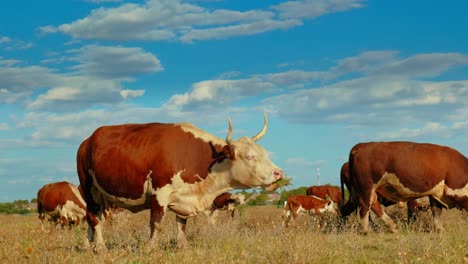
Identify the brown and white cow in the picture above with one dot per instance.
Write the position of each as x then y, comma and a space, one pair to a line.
62, 202
296, 204
403, 171
167, 166
414, 206
326, 192
225, 201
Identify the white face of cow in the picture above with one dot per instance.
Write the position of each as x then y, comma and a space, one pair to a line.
252, 167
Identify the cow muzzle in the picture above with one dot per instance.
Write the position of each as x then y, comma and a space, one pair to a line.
277, 176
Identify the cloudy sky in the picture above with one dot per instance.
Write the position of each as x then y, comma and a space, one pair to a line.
328, 73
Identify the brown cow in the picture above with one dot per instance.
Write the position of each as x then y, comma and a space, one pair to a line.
167, 166
225, 201
402, 171
413, 206
62, 202
326, 192
296, 204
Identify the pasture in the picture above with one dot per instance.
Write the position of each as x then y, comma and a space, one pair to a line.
254, 236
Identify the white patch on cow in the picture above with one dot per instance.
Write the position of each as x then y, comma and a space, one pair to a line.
302, 210
403, 193
231, 207
463, 192
198, 133
188, 199
77, 193
72, 211
330, 207
98, 234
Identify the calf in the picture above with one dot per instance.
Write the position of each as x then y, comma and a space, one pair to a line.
225, 201
296, 204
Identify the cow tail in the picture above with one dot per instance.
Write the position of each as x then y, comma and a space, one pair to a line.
342, 191
40, 210
352, 153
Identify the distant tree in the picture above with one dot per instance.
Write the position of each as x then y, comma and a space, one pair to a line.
15, 207
34, 200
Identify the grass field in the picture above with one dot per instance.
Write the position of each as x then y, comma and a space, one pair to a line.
254, 236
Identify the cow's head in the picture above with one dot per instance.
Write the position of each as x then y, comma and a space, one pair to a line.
250, 165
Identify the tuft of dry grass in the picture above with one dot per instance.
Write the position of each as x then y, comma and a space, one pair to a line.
254, 236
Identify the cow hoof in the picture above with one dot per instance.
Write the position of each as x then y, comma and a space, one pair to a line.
100, 249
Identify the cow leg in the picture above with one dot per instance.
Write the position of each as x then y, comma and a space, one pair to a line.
181, 238
377, 209
95, 230
213, 216
156, 216
286, 217
436, 209
364, 213
412, 210
94, 219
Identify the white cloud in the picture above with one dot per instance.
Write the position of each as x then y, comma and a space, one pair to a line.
373, 100
4, 39
96, 78
430, 128
4, 126
157, 20
218, 93
314, 8
115, 62
302, 162
18, 82
131, 93
103, 1
85, 92
238, 30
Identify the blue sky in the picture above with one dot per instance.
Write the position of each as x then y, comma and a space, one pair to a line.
328, 73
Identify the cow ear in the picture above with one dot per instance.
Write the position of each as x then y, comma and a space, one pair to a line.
228, 150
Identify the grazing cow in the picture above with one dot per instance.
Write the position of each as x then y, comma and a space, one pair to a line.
296, 204
413, 206
326, 192
403, 171
62, 202
225, 201
167, 166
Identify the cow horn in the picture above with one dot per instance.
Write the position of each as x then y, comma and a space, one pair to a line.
229, 135
264, 129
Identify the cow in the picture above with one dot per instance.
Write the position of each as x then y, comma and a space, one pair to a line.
167, 166
404, 171
413, 206
295, 204
225, 201
326, 192
62, 202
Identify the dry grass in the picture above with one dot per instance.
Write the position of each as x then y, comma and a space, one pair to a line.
255, 236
